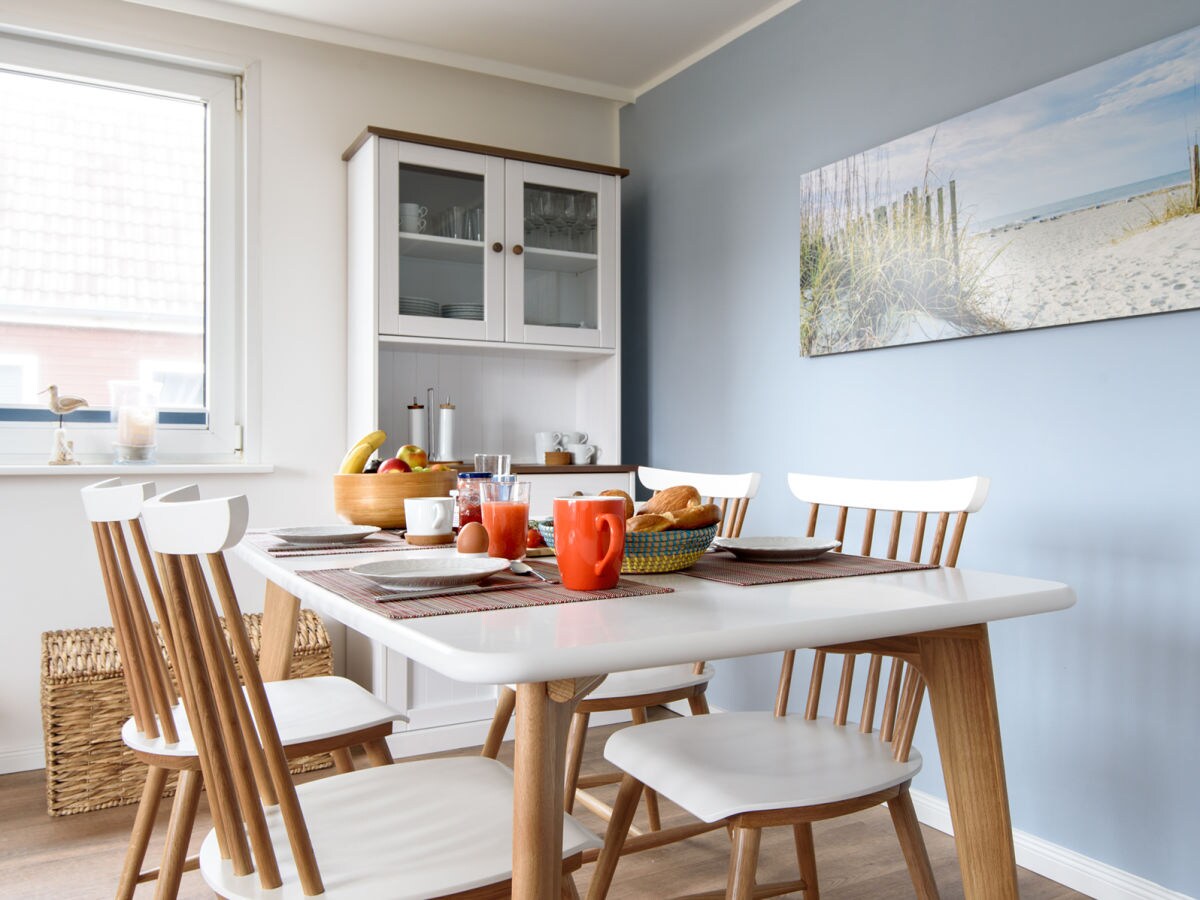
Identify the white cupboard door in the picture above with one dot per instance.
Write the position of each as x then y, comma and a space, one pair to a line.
560, 265
440, 212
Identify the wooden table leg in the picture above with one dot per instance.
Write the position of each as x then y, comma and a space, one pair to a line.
281, 612
543, 717
957, 666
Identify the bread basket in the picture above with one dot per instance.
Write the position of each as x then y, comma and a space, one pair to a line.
649, 552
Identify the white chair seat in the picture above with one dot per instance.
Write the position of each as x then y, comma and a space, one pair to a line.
651, 681
720, 765
412, 830
306, 709
639, 682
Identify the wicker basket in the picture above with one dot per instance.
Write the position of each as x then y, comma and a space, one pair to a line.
84, 705
648, 552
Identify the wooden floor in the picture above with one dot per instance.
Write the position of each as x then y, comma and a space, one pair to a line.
80, 856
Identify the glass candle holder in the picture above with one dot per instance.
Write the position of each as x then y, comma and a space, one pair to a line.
135, 412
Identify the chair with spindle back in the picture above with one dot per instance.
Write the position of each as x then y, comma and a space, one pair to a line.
641, 688
318, 714
432, 828
750, 770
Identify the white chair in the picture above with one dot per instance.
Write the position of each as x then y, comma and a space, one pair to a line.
315, 715
641, 688
434, 828
750, 770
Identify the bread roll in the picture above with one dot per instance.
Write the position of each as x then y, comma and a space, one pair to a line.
677, 497
628, 500
693, 517
648, 522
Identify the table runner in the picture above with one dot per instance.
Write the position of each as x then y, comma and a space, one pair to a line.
503, 591
277, 547
720, 566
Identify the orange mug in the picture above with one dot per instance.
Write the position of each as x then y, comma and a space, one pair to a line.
589, 541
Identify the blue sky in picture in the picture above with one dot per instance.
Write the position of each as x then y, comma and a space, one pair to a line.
1102, 130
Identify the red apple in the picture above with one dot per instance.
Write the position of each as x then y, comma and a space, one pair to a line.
438, 467
393, 465
413, 455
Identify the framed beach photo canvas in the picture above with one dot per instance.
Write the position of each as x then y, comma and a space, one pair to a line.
1075, 201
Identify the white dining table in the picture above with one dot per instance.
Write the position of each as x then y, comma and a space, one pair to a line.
557, 653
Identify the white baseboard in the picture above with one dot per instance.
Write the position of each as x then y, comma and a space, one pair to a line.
23, 759
1074, 870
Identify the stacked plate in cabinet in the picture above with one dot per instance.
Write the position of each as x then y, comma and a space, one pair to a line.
463, 311
419, 306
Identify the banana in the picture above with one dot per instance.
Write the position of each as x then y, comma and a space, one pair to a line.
353, 461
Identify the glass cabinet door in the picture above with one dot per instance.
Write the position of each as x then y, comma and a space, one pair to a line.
439, 209
560, 270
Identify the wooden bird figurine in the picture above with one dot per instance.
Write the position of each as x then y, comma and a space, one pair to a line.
64, 404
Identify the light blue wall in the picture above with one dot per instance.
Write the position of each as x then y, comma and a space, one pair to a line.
1089, 432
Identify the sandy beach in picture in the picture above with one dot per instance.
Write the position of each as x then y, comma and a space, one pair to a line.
1097, 263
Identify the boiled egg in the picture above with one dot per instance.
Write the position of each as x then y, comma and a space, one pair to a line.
472, 538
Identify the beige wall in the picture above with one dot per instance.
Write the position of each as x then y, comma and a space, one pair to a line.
314, 99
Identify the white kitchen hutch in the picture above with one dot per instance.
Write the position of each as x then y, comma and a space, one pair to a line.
491, 276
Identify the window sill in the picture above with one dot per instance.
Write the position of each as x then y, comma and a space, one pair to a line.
136, 470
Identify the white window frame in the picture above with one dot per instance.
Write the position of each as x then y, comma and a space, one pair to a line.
220, 440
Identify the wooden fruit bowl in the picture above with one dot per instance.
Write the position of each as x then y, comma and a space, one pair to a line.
379, 499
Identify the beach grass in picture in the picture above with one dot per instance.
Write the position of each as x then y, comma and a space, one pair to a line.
1075, 201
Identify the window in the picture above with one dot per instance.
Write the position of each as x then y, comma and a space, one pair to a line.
120, 187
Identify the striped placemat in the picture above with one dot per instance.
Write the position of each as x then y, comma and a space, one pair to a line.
720, 566
380, 541
503, 591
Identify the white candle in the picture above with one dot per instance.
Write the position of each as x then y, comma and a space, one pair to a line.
135, 425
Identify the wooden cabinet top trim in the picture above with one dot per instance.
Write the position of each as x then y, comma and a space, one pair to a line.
479, 148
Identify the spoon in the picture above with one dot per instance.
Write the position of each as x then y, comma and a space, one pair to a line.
519, 568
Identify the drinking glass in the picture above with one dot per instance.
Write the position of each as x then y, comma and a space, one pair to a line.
506, 517
494, 463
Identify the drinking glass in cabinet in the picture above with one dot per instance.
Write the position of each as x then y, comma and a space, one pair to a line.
560, 219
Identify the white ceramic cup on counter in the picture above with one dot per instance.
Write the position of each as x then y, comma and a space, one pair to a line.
583, 454
546, 442
573, 437
428, 516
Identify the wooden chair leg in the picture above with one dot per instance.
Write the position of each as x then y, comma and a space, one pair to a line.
614, 838
143, 825
743, 861
179, 834
378, 752
569, 891
342, 760
698, 703
908, 830
506, 702
806, 856
576, 738
639, 718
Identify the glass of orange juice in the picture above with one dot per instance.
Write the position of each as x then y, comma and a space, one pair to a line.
506, 517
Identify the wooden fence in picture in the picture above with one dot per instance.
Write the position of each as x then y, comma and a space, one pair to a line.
1195, 167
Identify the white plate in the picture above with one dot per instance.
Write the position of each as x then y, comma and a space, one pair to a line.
325, 534
421, 574
777, 549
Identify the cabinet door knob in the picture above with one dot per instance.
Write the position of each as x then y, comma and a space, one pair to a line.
497, 247
518, 249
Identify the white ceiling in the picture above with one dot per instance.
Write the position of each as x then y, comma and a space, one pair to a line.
610, 48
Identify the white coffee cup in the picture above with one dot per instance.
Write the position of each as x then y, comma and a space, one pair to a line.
413, 210
544, 442
412, 223
573, 437
428, 516
583, 454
